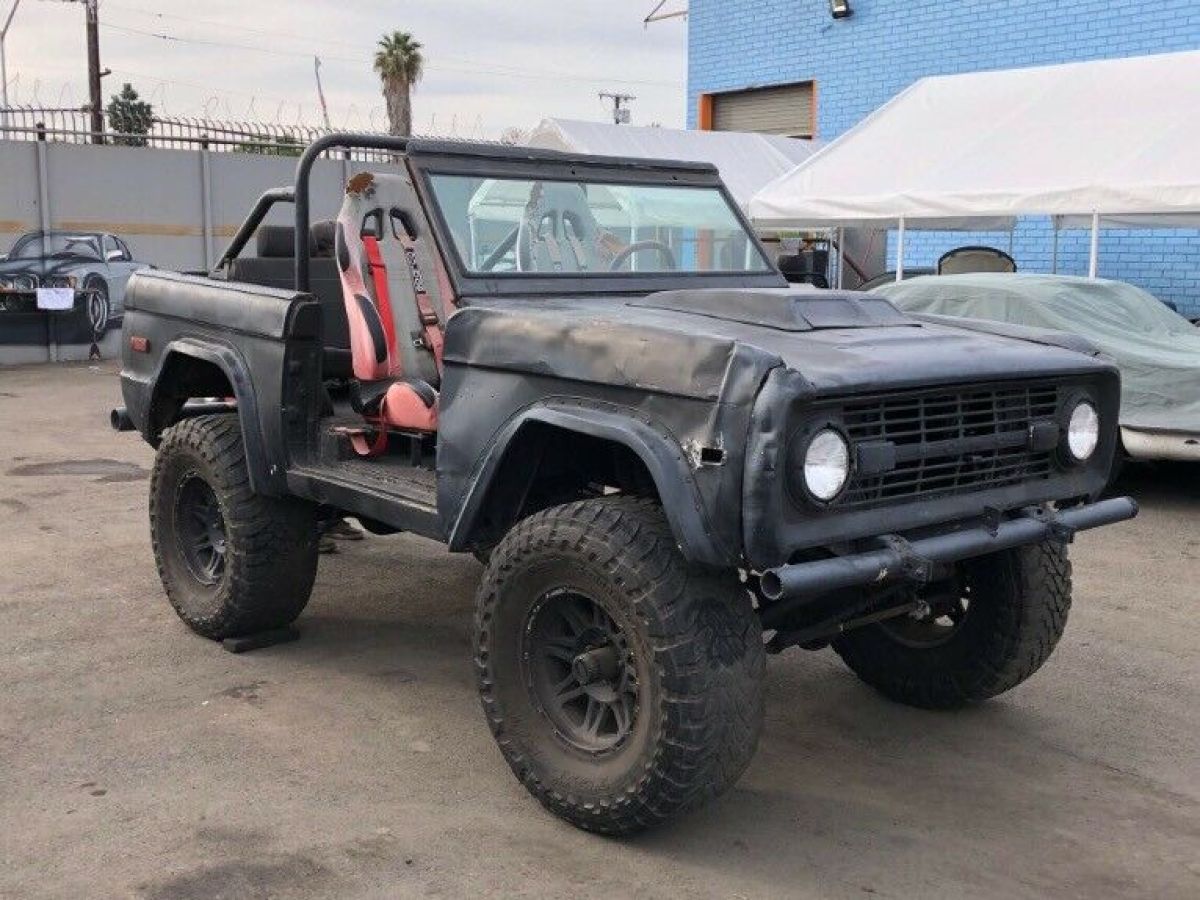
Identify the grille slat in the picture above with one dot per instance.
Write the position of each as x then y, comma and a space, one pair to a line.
921, 423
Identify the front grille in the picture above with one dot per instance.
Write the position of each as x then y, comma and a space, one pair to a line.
950, 441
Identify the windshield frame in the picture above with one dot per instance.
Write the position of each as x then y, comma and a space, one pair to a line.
539, 166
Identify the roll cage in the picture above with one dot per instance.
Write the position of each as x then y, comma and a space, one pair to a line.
430, 157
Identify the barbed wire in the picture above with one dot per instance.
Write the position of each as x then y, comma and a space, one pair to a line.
215, 104
73, 125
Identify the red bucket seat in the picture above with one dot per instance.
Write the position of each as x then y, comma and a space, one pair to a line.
397, 297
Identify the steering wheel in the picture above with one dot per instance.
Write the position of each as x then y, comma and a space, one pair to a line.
667, 254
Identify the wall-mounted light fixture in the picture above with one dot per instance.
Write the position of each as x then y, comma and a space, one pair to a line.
840, 9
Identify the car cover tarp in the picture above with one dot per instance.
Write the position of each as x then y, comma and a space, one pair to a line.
1157, 350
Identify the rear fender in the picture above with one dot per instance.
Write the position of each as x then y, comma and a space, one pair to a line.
164, 405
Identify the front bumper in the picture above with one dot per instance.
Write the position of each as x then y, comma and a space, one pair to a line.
1144, 443
901, 559
25, 302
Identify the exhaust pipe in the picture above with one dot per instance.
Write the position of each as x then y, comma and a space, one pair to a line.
119, 419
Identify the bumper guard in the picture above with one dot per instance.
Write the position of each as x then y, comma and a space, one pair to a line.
901, 559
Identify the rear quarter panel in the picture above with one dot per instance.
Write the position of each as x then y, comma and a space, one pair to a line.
258, 337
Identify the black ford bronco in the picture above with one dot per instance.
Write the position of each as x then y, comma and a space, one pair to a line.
587, 372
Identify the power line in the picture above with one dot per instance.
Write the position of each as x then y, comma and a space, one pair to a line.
497, 70
225, 26
491, 68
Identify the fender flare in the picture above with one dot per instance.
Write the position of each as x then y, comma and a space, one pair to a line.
231, 364
656, 447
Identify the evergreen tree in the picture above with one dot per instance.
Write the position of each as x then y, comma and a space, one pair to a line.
129, 114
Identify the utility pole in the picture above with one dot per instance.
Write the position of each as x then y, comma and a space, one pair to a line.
4, 63
94, 73
321, 92
620, 113
95, 101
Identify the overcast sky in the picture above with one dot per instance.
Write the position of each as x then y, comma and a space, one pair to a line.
490, 64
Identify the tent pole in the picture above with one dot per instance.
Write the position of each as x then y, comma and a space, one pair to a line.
900, 250
841, 255
1054, 246
1094, 260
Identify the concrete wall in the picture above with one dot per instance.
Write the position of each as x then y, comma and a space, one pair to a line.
176, 209
155, 199
860, 63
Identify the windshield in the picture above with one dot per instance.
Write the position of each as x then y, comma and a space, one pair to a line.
61, 245
511, 225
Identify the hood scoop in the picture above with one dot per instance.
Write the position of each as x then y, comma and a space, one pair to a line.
782, 309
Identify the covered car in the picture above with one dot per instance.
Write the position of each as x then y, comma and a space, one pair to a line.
1156, 349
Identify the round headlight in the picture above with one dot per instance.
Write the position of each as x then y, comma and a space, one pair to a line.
1083, 431
826, 465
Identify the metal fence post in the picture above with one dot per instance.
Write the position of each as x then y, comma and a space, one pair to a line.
43, 189
1094, 254
206, 202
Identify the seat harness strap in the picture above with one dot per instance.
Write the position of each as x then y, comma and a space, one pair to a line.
383, 300
369, 448
430, 324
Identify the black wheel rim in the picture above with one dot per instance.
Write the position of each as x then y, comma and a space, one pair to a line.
200, 529
580, 671
945, 611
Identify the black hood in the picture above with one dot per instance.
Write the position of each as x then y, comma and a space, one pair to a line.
702, 343
781, 309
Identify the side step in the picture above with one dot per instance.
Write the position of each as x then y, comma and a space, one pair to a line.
386, 489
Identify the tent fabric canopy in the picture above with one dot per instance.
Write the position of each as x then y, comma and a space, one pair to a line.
746, 161
1113, 137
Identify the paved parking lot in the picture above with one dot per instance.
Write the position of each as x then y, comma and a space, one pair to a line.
139, 760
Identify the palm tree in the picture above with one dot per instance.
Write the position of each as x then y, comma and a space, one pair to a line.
399, 64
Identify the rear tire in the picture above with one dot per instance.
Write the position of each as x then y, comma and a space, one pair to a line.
231, 561
1018, 601
675, 719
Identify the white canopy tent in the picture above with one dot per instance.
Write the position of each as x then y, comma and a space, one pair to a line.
747, 161
1108, 142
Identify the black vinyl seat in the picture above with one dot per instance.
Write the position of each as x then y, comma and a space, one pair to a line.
274, 266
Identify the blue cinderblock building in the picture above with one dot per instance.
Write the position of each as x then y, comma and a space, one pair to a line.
789, 67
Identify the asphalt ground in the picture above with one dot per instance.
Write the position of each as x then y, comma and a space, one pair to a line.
137, 760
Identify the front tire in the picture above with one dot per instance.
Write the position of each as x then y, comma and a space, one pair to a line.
622, 685
98, 306
1006, 615
231, 561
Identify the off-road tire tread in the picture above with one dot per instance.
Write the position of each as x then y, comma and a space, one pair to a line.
710, 713
1032, 615
272, 542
